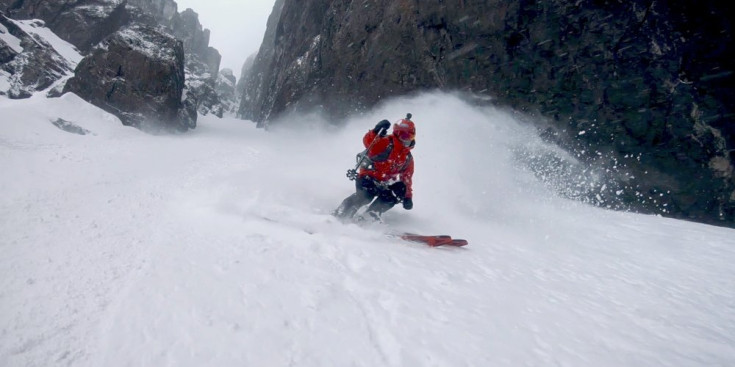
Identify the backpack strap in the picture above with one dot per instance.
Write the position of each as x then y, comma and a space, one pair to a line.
409, 158
382, 156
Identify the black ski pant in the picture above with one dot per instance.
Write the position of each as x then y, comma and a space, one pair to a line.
367, 190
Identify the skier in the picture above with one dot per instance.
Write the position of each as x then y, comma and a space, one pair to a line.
385, 171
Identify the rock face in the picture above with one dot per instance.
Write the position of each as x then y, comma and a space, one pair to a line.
86, 23
136, 74
259, 78
641, 88
226, 85
27, 63
245, 71
81, 23
202, 62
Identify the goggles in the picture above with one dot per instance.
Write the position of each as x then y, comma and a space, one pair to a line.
405, 137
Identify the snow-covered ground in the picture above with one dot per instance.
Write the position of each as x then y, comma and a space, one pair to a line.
216, 248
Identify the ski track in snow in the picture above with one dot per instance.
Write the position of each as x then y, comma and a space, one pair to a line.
215, 248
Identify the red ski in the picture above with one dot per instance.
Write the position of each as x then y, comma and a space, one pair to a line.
434, 241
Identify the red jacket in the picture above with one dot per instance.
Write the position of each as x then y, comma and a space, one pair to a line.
392, 161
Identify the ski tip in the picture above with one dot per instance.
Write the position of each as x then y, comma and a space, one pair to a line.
420, 237
434, 240
458, 242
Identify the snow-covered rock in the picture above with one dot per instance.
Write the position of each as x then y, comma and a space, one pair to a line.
136, 74
81, 23
32, 58
202, 62
85, 24
225, 87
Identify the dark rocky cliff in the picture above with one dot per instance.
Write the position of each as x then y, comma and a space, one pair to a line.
641, 88
259, 76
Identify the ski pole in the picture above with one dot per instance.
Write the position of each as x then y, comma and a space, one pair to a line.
352, 173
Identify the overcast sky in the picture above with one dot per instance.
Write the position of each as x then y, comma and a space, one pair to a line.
237, 26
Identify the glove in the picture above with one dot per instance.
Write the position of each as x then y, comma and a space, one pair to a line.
382, 127
407, 204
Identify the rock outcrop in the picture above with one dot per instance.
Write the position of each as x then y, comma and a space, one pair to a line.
202, 62
641, 88
86, 23
81, 23
226, 86
136, 74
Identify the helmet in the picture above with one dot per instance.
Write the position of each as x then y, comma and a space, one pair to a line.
405, 131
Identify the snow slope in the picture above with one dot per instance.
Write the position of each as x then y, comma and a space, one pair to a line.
64, 49
215, 248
